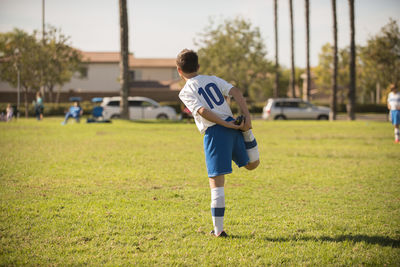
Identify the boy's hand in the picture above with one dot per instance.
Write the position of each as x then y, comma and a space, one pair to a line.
247, 124
233, 125
244, 123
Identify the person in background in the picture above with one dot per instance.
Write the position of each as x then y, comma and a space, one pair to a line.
75, 112
9, 113
39, 106
393, 103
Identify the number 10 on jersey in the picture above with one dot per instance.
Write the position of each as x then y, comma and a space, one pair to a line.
209, 97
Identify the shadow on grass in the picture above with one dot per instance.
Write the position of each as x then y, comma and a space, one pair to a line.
374, 240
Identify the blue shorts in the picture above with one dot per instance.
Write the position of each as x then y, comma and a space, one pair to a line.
395, 117
221, 146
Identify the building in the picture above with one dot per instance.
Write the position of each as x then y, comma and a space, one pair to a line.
150, 77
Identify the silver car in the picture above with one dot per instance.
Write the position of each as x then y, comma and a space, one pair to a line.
293, 109
140, 108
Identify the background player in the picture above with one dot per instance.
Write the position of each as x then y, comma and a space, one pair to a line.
393, 102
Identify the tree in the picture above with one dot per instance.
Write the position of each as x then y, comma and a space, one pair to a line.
293, 69
124, 59
60, 61
276, 86
352, 88
308, 73
335, 64
381, 59
40, 64
235, 51
324, 71
20, 53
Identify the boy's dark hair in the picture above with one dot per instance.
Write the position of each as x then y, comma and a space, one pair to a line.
188, 61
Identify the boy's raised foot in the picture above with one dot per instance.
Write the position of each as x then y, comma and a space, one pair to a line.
222, 234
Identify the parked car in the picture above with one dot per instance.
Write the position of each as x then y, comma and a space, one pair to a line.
140, 108
293, 109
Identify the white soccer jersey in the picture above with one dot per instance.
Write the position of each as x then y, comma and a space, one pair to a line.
394, 100
208, 92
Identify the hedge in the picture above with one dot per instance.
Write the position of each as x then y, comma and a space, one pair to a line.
360, 108
52, 109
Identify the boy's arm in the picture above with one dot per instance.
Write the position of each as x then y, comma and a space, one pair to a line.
237, 95
210, 116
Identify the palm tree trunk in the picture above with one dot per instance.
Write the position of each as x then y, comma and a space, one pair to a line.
293, 72
51, 93
26, 101
124, 57
352, 88
307, 8
335, 64
276, 87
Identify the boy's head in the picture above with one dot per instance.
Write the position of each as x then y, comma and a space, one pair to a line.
187, 61
393, 87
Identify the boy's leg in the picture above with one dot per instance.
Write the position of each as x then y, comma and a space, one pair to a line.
77, 119
395, 114
67, 116
217, 202
251, 149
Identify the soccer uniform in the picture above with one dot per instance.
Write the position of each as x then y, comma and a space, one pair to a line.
221, 144
394, 102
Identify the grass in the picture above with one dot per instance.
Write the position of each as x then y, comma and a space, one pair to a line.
133, 193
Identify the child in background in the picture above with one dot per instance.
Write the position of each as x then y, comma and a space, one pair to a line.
9, 113
75, 112
393, 102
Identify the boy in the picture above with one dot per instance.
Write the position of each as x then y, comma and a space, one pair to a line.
75, 112
393, 102
224, 140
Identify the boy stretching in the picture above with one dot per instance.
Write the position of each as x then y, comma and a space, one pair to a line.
224, 140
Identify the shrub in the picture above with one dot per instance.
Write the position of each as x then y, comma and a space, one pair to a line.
51, 109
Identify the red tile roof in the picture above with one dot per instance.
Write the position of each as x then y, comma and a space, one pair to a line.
152, 62
102, 57
113, 57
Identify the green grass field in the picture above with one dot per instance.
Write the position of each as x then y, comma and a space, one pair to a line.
131, 193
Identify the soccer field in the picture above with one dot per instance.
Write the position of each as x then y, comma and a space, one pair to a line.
136, 193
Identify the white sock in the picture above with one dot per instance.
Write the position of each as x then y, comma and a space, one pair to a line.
396, 133
251, 146
218, 208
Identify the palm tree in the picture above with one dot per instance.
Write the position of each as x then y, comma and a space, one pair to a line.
335, 64
352, 88
293, 72
124, 59
307, 96
276, 87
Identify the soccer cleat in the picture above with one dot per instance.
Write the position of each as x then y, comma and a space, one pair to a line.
239, 119
397, 141
222, 234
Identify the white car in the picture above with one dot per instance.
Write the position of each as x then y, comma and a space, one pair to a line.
140, 108
293, 109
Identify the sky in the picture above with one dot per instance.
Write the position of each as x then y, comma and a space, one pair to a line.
162, 28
